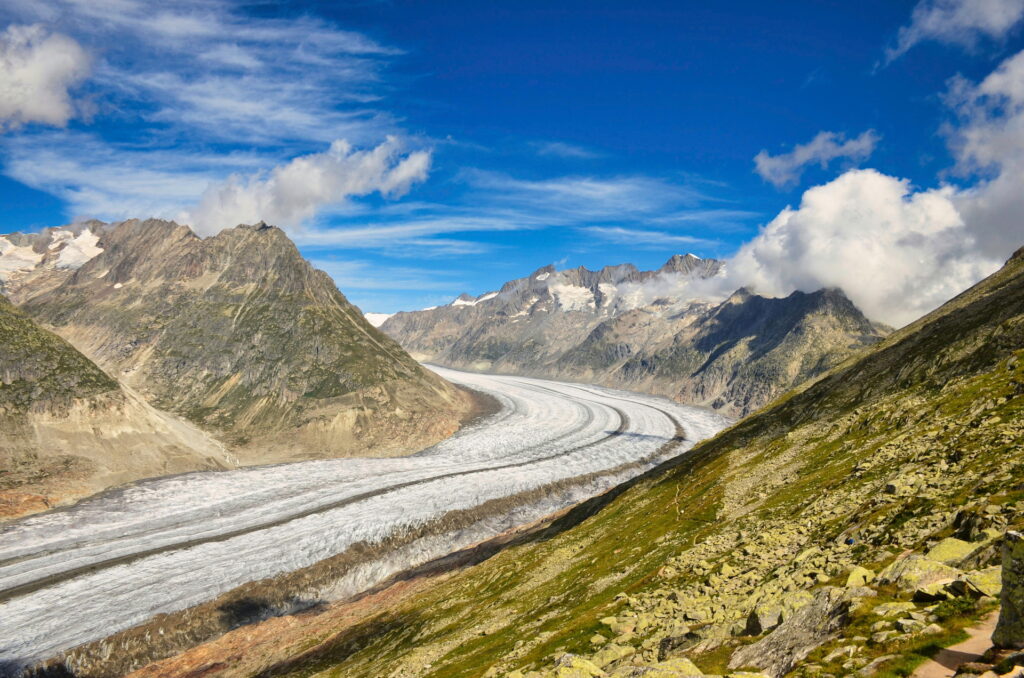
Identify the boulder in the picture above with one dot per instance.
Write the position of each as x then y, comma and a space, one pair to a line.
950, 551
894, 609
1009, 631
808, 627
859, 576
610, 654
771, 611
988, 582
914, 572
574, 666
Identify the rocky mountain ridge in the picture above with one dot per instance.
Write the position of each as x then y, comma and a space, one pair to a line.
655, 331
240, 335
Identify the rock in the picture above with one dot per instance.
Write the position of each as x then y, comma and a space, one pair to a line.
611, 654
807, 628
870, 668
950, 551
769, 613
598, 639
934, 592
1009, 631
574, 666
682, 665
914, 572
859, 576
893, 609
932, 629
882, 636
909, 625
988, 582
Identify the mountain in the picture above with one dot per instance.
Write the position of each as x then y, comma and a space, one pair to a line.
241, 336
849, 528
643, 330
32, 263
67, 429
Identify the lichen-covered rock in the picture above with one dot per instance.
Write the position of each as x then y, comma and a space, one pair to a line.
771, 611
810, 626
914, 572
1009, 631
859, 576
951, 551
988, 582
612, 653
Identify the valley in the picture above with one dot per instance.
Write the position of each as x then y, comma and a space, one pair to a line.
162, 546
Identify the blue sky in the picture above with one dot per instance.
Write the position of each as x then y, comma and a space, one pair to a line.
475, 142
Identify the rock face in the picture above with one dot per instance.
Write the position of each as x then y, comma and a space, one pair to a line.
241, 336
643, 330
1009, 631
67, 429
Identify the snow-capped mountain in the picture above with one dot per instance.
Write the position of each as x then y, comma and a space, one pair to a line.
664, 331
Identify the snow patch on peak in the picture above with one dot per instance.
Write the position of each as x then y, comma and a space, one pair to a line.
542, 276
15, 259
77, 249
573, 297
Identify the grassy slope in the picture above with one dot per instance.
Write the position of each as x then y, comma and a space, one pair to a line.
937, 406
38, 369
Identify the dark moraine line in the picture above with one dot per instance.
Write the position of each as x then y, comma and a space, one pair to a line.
35, 585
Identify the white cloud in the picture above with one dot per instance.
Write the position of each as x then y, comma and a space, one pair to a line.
960, 22
988, 141
562, 149
293, 193
642, 237
37, 68
896, 253
785, 169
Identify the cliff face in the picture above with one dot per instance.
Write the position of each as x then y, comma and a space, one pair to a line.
643, 330
67, 429
241, 336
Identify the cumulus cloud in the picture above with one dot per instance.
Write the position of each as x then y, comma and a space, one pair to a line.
960, 22
988, 142
36, 70
291, 194
896, 252
785, 169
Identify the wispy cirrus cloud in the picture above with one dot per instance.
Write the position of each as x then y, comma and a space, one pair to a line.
959, 22
646, 238
561, 149
784, 170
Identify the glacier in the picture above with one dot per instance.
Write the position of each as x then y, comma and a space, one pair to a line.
76, 575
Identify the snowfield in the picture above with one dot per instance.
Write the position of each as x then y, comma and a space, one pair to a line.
109, 563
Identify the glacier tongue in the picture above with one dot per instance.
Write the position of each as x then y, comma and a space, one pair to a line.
164, 545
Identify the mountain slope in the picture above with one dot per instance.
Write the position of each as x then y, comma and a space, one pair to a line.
643, 330
67, 429
238, 333
912, 441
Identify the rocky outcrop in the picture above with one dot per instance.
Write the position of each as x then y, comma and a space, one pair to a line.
1009, 631
643, 330
241, 336
67, 429
808, 628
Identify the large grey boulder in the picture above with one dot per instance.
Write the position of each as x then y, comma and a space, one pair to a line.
808, 627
